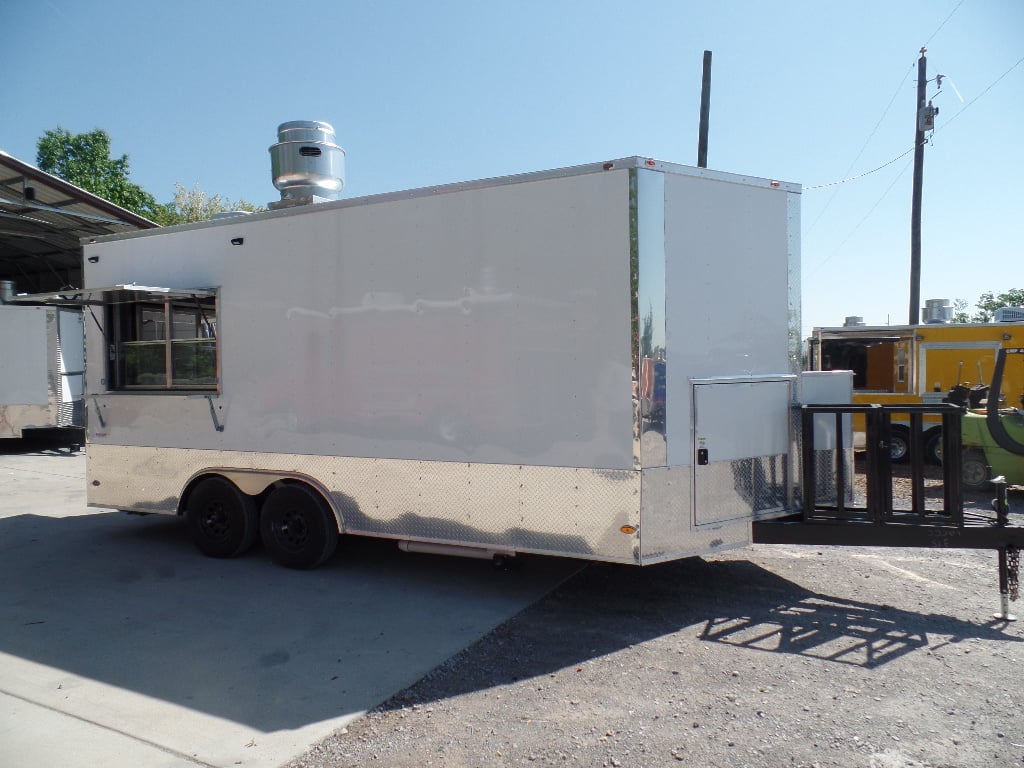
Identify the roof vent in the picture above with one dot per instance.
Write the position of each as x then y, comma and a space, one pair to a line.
308, 167
938, 311
1008, 315
852, 320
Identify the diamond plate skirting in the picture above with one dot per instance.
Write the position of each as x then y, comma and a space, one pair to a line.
551, 510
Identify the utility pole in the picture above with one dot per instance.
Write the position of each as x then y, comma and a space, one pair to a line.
705, 112
925, 122
924, 119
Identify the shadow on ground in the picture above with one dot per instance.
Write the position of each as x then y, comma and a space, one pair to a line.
607, 608
45, 442
128, 602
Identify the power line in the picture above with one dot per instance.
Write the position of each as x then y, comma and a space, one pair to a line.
868, 214
990, 87
875, 130
862, 175
944, 125
943, 23
863, 147
900, 174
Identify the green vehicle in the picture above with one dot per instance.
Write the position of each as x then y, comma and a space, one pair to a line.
993, 440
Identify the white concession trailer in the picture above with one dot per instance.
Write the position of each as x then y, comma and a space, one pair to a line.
41, 369
458, 368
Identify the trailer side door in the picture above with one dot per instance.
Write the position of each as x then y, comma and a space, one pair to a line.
740, 448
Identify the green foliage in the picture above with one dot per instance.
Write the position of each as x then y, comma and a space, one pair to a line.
84, 160
647, 334
196, 205
960, 311
987, 305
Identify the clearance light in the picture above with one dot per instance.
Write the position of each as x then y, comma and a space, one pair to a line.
651, 163
629, 529
608, 166
775, 184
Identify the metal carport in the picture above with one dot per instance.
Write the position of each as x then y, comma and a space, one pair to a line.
42, 222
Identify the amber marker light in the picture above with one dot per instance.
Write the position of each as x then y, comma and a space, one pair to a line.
630, 529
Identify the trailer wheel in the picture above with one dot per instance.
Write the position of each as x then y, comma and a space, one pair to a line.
899, 444
297, 527
933, 447
224, 522
974, 470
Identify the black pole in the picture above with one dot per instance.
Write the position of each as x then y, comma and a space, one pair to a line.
915, 213
705, 113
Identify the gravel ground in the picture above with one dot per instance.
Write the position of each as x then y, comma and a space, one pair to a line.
763, 656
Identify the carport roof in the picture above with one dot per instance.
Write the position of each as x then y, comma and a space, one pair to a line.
42, 221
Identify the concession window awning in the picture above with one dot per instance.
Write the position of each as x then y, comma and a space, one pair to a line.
114, 294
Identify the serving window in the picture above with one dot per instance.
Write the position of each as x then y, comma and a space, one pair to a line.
163, 344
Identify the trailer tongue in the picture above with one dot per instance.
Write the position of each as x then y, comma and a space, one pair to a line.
843, 518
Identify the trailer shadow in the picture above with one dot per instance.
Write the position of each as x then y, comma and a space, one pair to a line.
843, 631
45, 442
127, 602
605, 609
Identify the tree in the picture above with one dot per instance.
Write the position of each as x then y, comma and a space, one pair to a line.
196, 205
987, 305
647, 334
84, 160
960, 311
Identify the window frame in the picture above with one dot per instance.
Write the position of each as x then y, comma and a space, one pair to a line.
125, 329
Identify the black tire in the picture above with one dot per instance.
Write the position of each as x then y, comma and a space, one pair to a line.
223, 521
899, 444
974, 470
933, 447
297, 526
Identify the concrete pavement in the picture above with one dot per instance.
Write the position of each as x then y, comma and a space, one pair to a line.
122, 646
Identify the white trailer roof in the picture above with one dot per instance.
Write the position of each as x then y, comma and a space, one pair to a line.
575, 170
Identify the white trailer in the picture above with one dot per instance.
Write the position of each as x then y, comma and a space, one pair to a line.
42, 369
458, 368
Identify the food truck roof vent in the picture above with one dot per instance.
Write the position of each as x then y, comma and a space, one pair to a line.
938, 311
1008, 315
307, 166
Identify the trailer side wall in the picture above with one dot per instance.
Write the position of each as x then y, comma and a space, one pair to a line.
729, 267
489, 325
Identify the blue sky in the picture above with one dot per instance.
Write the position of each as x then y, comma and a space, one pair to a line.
430, 93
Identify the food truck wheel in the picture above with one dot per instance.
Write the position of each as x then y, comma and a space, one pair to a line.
974, 472
933, 446
224, 522
298, 527
899, 444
